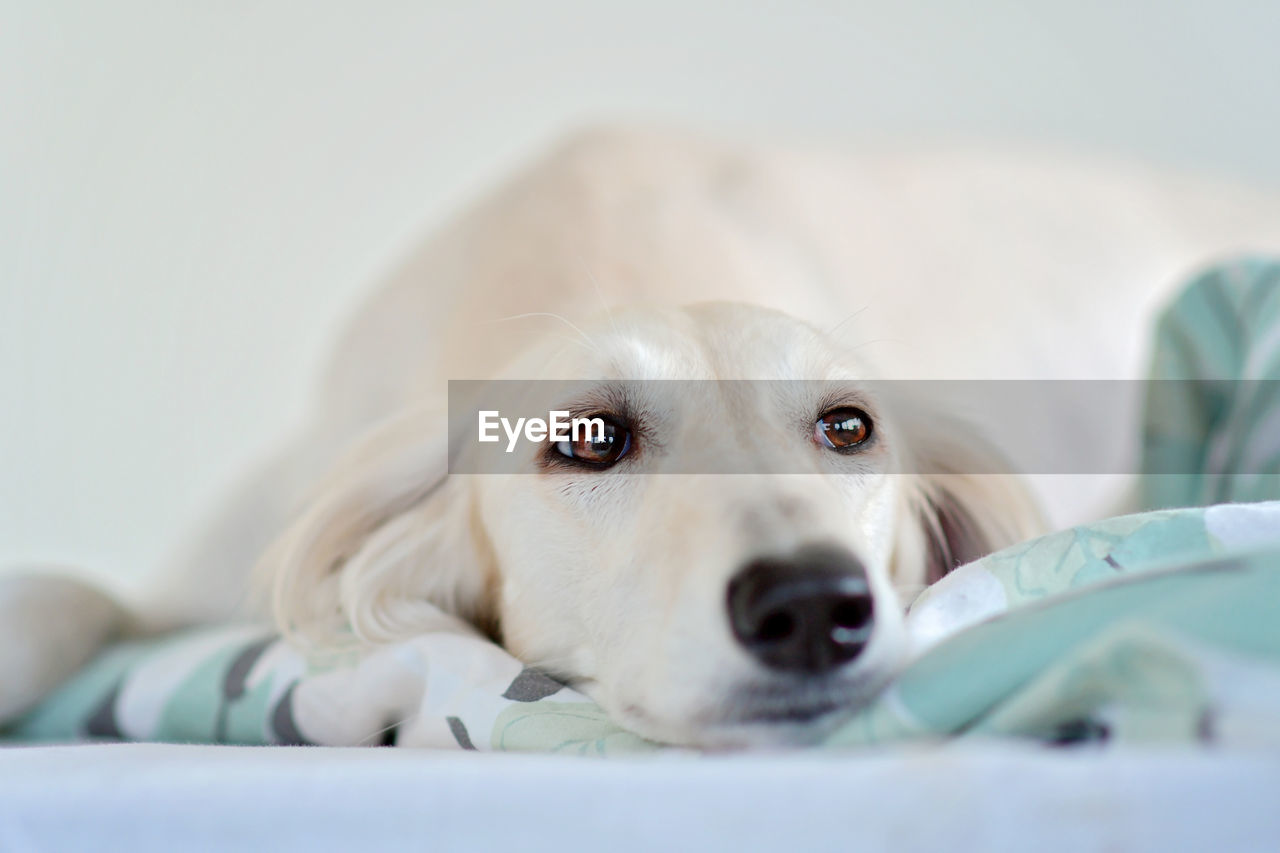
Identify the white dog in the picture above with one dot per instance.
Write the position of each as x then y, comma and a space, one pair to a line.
696, 607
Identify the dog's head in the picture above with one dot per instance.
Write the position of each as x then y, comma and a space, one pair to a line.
726, 564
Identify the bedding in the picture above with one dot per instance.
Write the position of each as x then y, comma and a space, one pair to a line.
1160, 626
1154, 627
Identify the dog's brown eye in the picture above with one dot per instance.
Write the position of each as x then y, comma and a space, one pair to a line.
842, 429
598, 448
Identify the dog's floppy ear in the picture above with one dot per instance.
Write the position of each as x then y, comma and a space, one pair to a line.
962, 500
966, 516
386, 540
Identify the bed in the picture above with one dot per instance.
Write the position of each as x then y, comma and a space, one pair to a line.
1147, 720
151, 797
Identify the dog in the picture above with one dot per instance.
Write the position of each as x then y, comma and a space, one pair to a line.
727, 564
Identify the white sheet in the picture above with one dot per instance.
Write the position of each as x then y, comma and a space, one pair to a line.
144, 797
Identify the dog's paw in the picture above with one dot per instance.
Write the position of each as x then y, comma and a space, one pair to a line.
50, 626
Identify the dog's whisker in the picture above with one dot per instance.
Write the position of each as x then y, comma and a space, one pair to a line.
595, 283
857, 347
378, 733
551, 315
564, 338
834, 330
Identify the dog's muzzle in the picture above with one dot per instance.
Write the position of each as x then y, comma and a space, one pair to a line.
807, 614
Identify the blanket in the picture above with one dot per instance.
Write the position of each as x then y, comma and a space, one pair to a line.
1160, 626
1155, 627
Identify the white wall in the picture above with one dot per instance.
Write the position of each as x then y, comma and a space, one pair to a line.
191, 194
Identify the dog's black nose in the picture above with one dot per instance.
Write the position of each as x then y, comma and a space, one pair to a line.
809, 613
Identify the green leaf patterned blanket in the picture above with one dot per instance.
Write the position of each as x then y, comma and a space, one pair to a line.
1161, 626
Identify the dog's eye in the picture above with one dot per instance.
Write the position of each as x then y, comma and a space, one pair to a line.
598, 449
842, 429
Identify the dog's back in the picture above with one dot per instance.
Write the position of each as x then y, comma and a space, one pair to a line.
941, 265
936, 264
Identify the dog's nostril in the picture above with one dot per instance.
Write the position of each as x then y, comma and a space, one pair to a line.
810, 613
852, 613
776, 626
